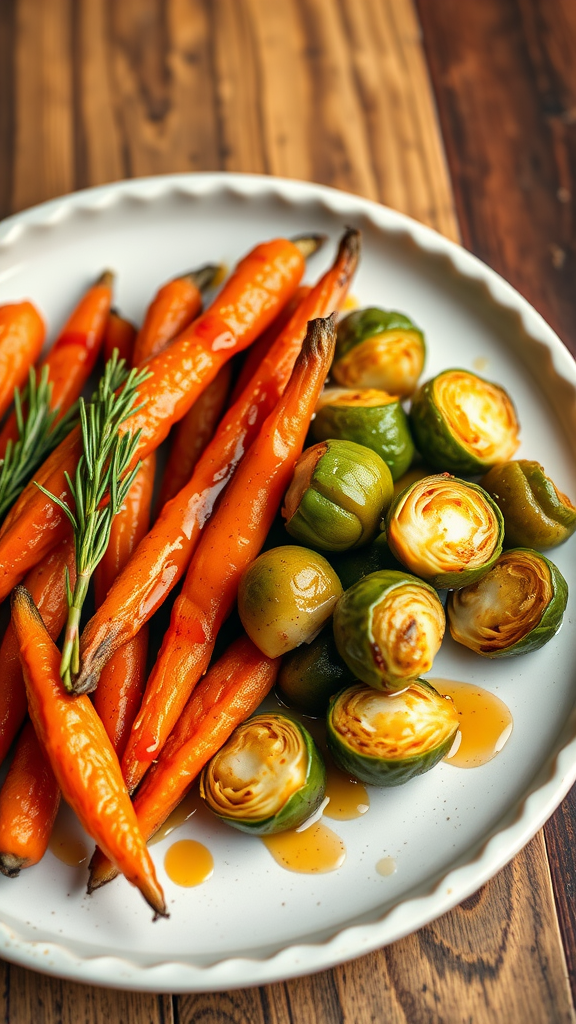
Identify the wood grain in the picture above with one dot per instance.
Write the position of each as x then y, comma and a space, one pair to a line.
336, 91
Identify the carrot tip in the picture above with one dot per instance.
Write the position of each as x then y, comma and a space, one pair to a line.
309, 244
204, 277
106, 279
11, 865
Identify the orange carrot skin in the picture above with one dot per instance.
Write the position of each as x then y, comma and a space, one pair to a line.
174, 306
164, 554
80, 754
29, 801
22, 333
231, 540
262, 345
261, 284
119, 692
229, 693
193, 433
46, 583
119, 334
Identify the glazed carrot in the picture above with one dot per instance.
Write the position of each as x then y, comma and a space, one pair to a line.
192, 435
81, 755
119, 693
22, 333
47, 584
230, 691
73, 355
120, 334
262, 345
174, 306
29, 800
229, 543
163, 556
261, 284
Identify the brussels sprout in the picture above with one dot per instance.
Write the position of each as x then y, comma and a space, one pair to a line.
462, 423
536, 514
376, 348
388, 628
311, 674
446, 530
267, 778
372, 418
285, 597
387, 740
338, 495
515, 608
351, 566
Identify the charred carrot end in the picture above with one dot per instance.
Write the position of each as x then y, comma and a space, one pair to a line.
119, 334
205, 277
230, 691
173, 307
309, 244
80, 754
29, 801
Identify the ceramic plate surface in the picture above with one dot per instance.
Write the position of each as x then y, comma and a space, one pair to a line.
448, 831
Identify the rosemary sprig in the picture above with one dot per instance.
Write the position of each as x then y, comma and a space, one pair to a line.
99, 489
38, 435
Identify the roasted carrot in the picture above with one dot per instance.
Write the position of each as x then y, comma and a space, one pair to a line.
22, 334
192, 434
163, 556
120, 334
73, 355
119, 692
81, 755
230, 691
174, 306
262, 345
229, 543
47, 584
29, 800
261, 284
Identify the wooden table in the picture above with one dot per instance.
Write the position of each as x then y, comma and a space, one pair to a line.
462, 114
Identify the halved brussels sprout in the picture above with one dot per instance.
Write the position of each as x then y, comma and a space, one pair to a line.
371, 418
377, 348
338, 495
446, 530
536, 514
515, 608
462, 423
285, 597
388, 628
267, 778
387, 740
311, 674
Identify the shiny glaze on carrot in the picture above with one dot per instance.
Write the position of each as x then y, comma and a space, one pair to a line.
261, 284
121, 334
121, 684
231, 540
230, 691
22, 332
174, 306
192, 434
46, 583
29, 801
163, 556
81, 755
73, 355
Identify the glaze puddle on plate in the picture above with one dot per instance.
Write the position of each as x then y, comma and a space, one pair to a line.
386, 866
65, 842
348, 798
315, 851
185, 809
188, 863
486, 723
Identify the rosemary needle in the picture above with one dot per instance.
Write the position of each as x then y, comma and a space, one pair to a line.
38, 435
99, 489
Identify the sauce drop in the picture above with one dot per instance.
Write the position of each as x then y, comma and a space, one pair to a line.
317, 850
64, 844
386, 866
188, 863
186, 808
348, 797
480, 363
485, 723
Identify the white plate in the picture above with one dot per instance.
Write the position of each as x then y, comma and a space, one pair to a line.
448, 831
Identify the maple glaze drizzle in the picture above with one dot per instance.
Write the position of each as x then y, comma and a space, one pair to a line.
486, 723
188, 863
316, 850
65, 844
348, 797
